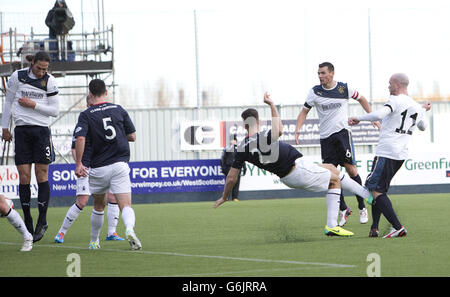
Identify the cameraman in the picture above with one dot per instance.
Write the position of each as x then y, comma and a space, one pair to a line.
51, 14
59, 21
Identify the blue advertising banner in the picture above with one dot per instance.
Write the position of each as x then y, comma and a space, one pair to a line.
176, 176
151, 177
62, 179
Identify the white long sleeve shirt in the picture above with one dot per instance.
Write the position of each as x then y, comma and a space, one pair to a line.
43, 91
400, 115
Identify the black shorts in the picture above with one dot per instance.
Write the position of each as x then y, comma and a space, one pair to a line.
383, 170
337, 149
33, 144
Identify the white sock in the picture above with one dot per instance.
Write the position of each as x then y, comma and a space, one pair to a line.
16, 220
128, 217
350, 185
333, 201
113, 217
71, 216
96, 224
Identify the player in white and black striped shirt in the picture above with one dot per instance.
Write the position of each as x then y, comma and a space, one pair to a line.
34, 95
331, 99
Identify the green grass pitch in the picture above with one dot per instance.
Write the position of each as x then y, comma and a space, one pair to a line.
253, 238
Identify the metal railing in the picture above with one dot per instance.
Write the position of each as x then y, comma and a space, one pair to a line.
95, 46
16, 46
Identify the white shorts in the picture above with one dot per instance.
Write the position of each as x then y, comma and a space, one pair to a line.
83, 186
308, 176
115, 177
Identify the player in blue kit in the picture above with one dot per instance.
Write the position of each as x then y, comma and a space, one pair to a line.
108, 128
263, 149
82, 199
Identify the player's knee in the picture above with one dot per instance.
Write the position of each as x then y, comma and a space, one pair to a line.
335, 181
41, 174
99, 201
111, 198
99, 207
4, 207
331, 167
82, 201
2, 202
24, 176
123, 200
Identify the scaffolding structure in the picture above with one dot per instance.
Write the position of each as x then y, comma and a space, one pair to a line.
85, 55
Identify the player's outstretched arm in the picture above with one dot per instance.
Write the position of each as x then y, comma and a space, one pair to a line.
366, 106
353, 121
229, 184
371, 117
277, 126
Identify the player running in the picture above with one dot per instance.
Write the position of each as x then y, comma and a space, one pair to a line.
400, 115
108, 128
264, 150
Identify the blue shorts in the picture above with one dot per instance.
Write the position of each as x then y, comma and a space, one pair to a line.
337, 149
33, 144
383, 170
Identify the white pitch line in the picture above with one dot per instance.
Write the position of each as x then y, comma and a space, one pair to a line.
243, 271
196, 256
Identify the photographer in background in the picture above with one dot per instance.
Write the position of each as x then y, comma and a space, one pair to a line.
57, 18
60, 21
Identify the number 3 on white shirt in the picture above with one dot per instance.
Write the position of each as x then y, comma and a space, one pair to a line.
109, 127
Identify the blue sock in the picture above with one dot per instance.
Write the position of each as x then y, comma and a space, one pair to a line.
384, 205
